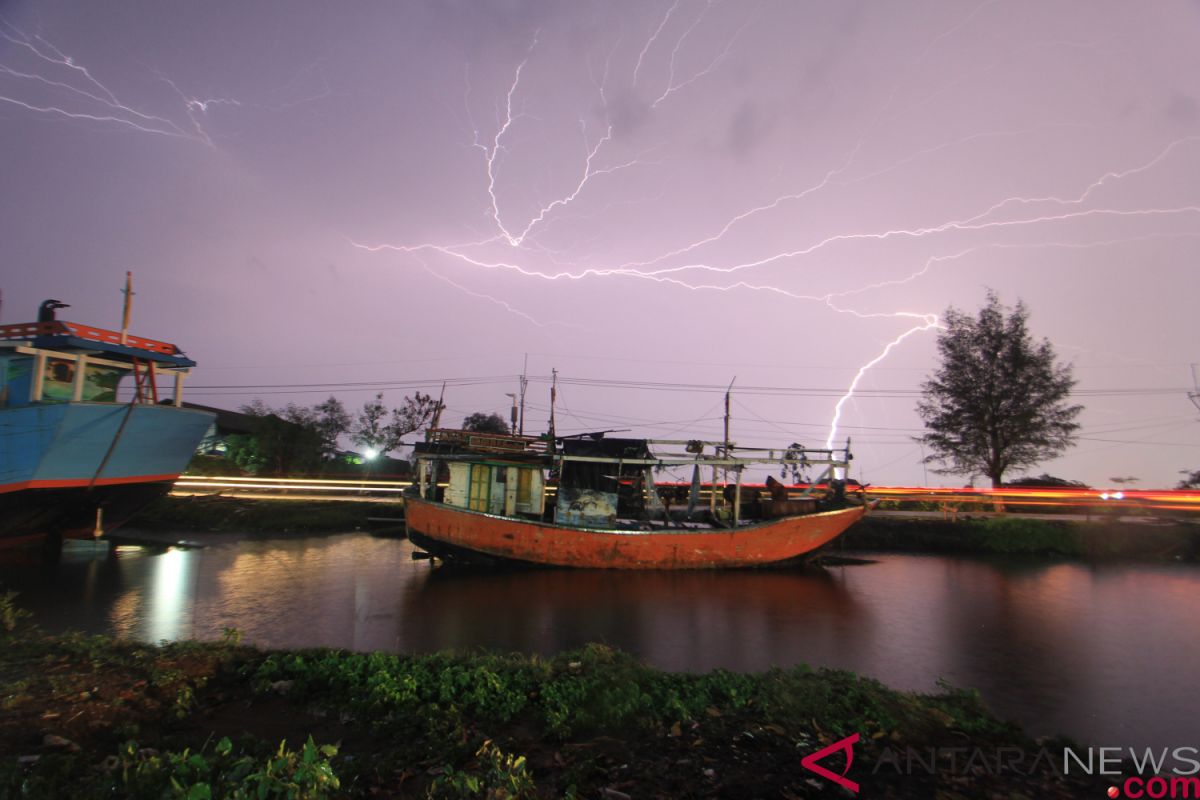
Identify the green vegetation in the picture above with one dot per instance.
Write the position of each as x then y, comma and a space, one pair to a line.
1014, 535
199, 513
89, 716
1003, 535
485, 422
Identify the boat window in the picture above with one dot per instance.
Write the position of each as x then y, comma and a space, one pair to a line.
99, 383
59, 380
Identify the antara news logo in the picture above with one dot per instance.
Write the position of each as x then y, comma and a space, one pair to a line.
1159, 773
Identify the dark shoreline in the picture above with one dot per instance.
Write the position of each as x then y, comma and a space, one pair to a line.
1097, 539
94, 716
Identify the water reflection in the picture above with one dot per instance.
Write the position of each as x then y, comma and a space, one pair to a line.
744, 621
1105, 654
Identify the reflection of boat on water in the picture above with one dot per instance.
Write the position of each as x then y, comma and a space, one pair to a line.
607, 513
75, 462
693, 619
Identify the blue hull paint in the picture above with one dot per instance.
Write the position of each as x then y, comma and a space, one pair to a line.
69, 441
53, 445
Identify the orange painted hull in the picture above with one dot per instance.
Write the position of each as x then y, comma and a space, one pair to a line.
451, 531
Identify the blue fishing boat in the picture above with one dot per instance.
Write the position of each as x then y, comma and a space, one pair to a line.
84, 440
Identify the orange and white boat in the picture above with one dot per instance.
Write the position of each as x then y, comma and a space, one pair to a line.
604, 510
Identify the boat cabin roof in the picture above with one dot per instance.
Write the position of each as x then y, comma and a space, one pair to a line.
72, 336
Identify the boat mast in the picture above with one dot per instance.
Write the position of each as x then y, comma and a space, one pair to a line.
128, 292
726, 447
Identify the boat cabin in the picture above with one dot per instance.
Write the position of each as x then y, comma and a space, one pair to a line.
56, 361
505, 488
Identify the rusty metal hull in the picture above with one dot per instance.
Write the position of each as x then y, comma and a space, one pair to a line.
455, 532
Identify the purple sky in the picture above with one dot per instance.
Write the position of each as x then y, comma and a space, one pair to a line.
632, 193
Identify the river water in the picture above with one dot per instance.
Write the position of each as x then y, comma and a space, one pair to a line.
1106, 654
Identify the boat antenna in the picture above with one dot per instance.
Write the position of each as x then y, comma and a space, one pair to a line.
128, 292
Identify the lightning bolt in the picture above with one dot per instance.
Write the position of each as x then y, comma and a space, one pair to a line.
858, 376
506, 306
109, 109
650, 42
680, 269
98, 103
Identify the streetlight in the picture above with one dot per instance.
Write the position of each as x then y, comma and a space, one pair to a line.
513, 429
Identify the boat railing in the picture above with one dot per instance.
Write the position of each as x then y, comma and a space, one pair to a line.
32, 330
475, 441
730, 454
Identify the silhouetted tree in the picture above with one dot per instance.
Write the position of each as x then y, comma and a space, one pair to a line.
373, 428
1190, 481
797, 472
284, 441
414, 413
998, 401
331, 421
481, 422
1045, 481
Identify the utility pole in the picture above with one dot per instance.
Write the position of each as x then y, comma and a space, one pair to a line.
553, 398
437, 412
524, 384
1194, 395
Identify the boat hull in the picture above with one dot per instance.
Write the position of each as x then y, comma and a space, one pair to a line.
61, 462
457, 533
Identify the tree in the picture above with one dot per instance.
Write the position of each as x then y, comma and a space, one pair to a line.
331, 422
1190, 481
415, 413
284, 441
481, 422
373, 429
797, 472
1045, 481
370, 424
998, 401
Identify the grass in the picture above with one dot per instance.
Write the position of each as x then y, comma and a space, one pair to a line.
226, 514
1005, 535
99, 717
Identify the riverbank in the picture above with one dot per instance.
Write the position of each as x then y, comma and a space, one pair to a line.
1099, 539
199, 513
93, 716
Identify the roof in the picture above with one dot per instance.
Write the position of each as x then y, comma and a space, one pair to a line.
59, 335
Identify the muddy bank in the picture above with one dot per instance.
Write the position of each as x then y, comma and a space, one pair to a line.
92, 716
1098, 539
198, 513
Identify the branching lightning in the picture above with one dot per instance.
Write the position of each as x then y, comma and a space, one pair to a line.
99, 103
681, 267
51, 73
